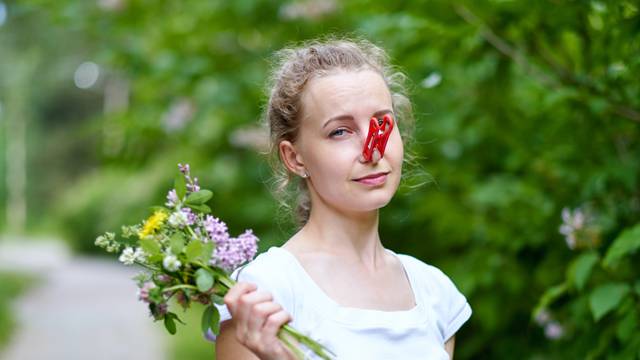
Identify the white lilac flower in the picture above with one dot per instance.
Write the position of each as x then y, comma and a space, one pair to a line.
107, 242
129, 231
129, 255
178, 219
171, 263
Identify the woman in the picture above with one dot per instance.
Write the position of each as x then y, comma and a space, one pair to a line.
334, 279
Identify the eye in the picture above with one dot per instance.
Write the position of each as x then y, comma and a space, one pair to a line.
337, 132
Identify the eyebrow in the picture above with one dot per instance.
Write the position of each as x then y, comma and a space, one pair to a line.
349, 117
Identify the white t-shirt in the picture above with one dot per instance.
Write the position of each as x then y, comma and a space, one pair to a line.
355, 333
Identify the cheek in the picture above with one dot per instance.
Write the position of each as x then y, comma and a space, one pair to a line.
334, 161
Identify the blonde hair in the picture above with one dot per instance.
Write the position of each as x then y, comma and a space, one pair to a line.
293, 69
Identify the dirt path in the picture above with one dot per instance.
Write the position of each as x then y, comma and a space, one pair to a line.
84, 308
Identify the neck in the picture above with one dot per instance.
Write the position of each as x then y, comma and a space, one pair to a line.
352, 236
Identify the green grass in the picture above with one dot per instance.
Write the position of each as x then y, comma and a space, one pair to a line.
13, 284
188, 342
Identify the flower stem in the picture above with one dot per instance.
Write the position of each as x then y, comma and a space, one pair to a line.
152, 268
181, 286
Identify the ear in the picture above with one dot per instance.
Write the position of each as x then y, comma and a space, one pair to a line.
291, 158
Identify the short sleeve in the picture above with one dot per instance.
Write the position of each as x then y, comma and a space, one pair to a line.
449, 305
268, 276
453, 308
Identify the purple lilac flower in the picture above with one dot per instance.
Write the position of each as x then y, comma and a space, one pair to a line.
192, 185
172, 198
184, 168
233, 252
216, 229
191, 217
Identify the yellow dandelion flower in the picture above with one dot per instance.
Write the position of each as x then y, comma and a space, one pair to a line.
153, 223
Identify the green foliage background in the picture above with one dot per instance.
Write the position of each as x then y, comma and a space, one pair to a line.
523, 108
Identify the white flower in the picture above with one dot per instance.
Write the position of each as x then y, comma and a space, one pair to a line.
573, 223
178, 219
553, 330
171, 263
129, 256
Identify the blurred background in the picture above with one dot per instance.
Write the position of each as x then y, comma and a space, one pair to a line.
527, 192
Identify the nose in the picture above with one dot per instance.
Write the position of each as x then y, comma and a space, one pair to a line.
375, 157
376, 140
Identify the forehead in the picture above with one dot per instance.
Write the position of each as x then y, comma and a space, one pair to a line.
345, 91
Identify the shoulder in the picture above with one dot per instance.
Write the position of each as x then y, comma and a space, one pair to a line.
427, 275
441, 294
268, 270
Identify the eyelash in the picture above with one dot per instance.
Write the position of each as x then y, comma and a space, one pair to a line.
334, 132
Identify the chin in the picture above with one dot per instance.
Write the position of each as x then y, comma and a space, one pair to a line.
372, 203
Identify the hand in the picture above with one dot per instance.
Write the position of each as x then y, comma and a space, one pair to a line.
258, 320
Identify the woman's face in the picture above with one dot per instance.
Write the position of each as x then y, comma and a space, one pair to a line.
336, 110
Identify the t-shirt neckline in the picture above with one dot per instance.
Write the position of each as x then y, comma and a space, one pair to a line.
316, 297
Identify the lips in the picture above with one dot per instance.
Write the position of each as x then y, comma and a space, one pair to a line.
372, 176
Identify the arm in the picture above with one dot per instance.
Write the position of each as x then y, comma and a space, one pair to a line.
449, 345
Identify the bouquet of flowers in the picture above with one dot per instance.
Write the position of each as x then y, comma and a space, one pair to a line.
188, 254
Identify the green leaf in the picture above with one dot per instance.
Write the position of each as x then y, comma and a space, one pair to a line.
193, 250
180, 185
202, 208
580, 269
625, 244
177, 243
205, 252
175, 317
215, 320
205, 321
627, 326
549, 296
204, 280
150, 246
606, 297
170, 324
210, 320
217, 299
199, 197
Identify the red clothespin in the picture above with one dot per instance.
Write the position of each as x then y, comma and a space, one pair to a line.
377, 137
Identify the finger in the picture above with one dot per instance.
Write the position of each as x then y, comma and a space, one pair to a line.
246, 301
275, 321
259, 314
234, 293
